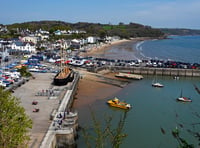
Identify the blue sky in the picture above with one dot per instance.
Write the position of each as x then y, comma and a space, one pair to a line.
155, 13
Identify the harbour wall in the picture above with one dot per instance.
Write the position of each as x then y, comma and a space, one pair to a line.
151, 71
63, 129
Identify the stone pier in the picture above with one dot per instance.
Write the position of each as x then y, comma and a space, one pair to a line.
63, 129
151, 71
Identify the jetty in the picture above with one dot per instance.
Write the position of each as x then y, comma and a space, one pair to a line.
129, 76
150, 71
62, 131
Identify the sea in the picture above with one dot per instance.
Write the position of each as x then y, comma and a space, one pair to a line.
155, 113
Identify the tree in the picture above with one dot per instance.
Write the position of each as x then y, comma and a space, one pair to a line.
181, 141
23, 71
106, 136
14, 123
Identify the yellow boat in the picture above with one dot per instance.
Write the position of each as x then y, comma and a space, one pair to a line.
117, 103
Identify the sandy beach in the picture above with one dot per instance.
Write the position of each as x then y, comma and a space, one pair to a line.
101, 50
91, 87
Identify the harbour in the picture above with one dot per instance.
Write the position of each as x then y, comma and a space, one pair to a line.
152, 109
64, 132
155, 112
103, 74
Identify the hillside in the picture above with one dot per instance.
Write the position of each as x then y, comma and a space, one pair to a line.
177, 31
122, 30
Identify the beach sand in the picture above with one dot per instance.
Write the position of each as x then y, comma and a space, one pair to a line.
102, 50
91, 88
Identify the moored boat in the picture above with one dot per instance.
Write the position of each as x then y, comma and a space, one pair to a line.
183, 99
157, 84
119, 104
64, 76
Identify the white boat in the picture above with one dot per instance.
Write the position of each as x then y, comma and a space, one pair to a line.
183, 99
156, 84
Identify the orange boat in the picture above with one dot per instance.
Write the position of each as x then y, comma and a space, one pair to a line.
119, 104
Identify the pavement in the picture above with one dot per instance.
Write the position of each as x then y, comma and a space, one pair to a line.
28, 93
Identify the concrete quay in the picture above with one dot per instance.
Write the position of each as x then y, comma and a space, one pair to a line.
63, 128
52, 100
151, 71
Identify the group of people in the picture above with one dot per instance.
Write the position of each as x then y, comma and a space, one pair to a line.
47, 92
60, 117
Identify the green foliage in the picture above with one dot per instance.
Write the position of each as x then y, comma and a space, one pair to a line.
176, 133
110, 27
23, 71
175, 31
14, 123
105, 136
182, 142
44, 25
123, 30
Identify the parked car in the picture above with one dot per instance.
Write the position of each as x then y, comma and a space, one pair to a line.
2, 84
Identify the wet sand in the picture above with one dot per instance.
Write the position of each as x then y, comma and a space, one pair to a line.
100, 49
91, 88
103, 50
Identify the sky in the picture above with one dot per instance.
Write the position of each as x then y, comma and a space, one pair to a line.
154, 13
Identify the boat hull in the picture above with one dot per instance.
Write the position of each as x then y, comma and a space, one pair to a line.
121, 105
63, 81
157, 85
184, 99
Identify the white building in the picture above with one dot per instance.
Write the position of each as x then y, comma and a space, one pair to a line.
23, 46
91, 40
32, 39
42, 37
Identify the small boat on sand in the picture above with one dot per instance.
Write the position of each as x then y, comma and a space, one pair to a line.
183, 99
119, 104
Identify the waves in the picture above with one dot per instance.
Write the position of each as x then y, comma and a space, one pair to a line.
139, 45
177, 48
181, 48
139, 50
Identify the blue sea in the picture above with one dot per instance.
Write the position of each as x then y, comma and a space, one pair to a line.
155, 112
177, 48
